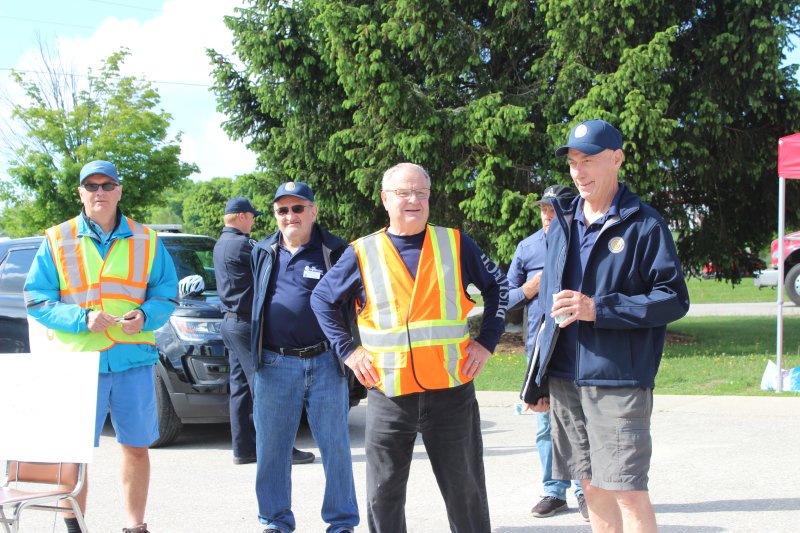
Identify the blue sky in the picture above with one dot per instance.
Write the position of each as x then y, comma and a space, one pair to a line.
167, 40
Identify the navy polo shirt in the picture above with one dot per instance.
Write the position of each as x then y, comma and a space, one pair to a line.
582, 237
289, 320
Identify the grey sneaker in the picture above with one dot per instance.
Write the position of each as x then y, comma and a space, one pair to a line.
548, 506
583, 508
141, 528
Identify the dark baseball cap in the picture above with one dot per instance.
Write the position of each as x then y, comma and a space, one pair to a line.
238, 204
294, 188
592, 137
99, 167
556, 191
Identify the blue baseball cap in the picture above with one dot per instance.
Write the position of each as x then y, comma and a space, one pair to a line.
99, 167
294, 188
238, 204
592, 137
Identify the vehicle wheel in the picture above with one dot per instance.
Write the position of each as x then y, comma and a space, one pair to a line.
792, 284
169, 424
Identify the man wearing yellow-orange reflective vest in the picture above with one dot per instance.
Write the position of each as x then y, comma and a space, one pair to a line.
416, 356
103, 282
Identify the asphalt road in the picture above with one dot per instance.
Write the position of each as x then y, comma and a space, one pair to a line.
720, 464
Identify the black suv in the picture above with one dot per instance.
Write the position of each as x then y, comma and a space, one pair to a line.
192, 371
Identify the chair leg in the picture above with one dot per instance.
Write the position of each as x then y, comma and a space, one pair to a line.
76, 510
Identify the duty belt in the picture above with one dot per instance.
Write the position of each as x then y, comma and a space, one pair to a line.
302, 353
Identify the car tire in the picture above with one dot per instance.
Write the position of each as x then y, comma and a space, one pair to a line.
792, 284
169, 423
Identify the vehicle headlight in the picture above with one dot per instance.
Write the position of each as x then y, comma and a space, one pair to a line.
197, 329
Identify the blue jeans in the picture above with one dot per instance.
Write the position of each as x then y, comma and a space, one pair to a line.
283, 386
236, 336
449, 421
556, 488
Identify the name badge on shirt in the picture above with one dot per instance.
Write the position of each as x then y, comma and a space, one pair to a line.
312, 272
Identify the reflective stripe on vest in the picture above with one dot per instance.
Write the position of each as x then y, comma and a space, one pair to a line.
116, 284
416, 329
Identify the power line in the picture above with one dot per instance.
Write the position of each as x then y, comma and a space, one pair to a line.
39, 21
126, 5
71, 74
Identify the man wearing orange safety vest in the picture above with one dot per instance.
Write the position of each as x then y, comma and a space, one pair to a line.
103, 282
416, 355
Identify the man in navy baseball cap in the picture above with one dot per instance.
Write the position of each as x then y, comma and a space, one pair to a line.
238, 204
294, 188
592, 137
99, 167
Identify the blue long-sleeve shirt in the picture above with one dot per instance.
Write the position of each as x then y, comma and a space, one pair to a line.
43, 297
528, 260
343, 282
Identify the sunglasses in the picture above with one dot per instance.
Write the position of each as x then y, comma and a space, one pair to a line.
107, 186
296, 209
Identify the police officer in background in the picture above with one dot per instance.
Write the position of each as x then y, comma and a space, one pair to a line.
235, 286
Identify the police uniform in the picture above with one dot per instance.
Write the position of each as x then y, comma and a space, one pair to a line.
235, 287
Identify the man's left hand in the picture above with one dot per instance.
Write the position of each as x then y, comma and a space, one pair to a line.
132, 322
477, 356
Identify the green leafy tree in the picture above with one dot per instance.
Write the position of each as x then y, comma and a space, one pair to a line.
114, 118
480, 93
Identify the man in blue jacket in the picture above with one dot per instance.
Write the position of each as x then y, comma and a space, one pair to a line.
105, 293
524, 276
611, 284
295, 366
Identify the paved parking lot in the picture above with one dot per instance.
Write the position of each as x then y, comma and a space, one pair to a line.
720, 464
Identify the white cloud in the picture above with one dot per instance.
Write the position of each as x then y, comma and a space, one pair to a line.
171, 47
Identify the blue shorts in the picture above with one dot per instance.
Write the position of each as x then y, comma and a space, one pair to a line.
131, 397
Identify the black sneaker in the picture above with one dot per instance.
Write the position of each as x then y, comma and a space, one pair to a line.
583, 508
247, 459
548, 506
299, 457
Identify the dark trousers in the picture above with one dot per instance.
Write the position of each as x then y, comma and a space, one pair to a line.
236, 336
449, 421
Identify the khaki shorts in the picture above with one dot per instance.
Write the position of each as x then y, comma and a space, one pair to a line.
601, 434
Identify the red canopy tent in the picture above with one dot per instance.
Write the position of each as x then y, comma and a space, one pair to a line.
788, 168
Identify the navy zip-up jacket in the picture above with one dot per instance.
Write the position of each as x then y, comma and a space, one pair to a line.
634, 275
263, 259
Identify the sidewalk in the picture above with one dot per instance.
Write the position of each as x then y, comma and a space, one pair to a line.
720, 464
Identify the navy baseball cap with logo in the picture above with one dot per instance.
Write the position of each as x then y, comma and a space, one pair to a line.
99, 167
592, 137
556, 191
294, 188
237, 204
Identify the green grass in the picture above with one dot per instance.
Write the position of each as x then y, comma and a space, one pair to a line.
704, 355
711, 291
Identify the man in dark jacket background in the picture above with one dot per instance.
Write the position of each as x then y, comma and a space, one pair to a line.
611, 283
234, 275
295, 366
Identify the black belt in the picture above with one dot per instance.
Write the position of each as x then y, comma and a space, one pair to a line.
237, 316
302, 353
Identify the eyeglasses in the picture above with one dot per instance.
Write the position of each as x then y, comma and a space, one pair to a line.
405, 194
296, 209
107, 186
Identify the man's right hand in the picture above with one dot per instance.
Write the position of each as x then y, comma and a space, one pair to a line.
531, 287
541, 406
99, 321
360, 362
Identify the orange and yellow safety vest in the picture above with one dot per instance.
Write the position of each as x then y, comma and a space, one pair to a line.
415, 328
116, 284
